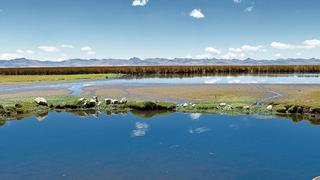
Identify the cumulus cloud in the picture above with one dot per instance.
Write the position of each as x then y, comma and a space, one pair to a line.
86, 48
307, 44
139, 2
48, 48
245, 48
209, 53
196, 13
249, 9
66, 46
279, 45
212, 50
237, 1
241, 52
229, 55
312, 43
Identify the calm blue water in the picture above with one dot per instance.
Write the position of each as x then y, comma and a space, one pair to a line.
172, 146
77, 87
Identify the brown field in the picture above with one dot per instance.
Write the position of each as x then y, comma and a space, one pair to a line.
223, 93
199, 69
307, 95
34, 93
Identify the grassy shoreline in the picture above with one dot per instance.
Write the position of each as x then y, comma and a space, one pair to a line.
17, 79
15, 109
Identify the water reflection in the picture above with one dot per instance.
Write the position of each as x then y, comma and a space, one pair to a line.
195, 116
141, 129
314, 119
165, 146
199, 130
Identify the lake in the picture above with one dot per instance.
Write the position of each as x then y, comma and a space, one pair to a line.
167, 146
76, 88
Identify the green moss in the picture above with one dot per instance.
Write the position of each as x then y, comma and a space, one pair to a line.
281, 108
148, 105
142, 105
166, 105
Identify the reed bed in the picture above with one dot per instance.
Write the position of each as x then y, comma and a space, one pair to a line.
141, 70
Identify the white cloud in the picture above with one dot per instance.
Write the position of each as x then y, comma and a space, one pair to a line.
20, 51
139, 2
9, 56
249, 9
242, 52
312, 43
307, 44
86, 48
237, 1
48, 48
212, 50
66, 46
279, 45
196, 13
209, 53
91, 53
242, 55
235, 50
204, 56
229, 55
246, 48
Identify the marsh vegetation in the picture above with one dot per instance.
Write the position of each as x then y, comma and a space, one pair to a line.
142, 70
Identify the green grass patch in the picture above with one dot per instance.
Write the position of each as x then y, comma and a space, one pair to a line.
15, 79
148, 105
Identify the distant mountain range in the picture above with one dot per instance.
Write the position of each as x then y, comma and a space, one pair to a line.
151, 62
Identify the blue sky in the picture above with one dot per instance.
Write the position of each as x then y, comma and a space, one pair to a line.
63, 29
